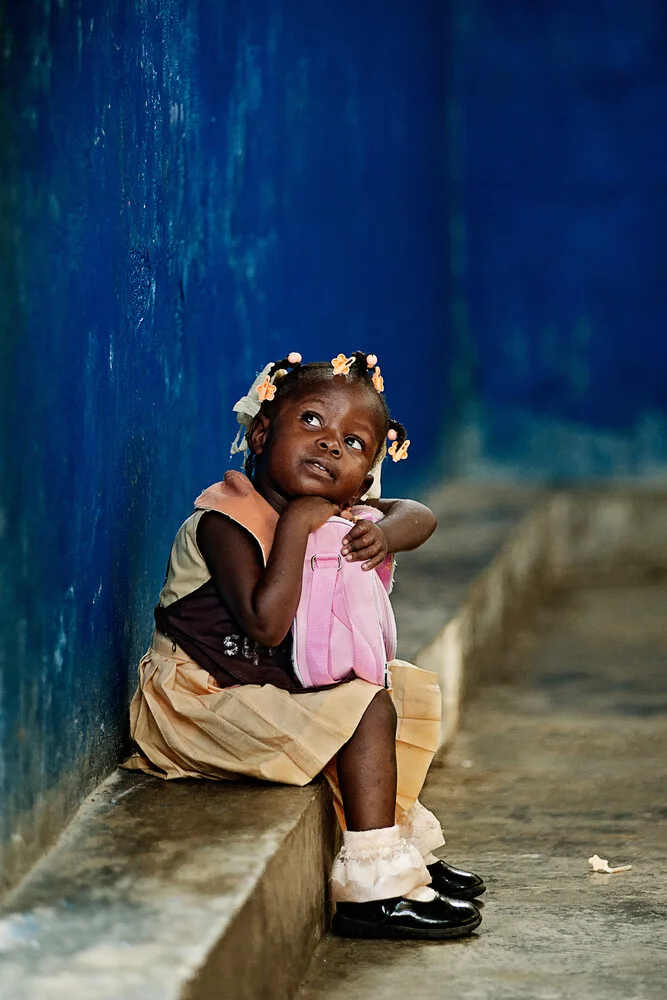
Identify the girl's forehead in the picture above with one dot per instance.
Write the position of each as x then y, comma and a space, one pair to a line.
342, 392
339, 392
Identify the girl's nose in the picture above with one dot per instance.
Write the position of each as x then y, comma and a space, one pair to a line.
332, 446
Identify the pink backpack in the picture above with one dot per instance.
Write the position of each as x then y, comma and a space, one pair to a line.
344, 624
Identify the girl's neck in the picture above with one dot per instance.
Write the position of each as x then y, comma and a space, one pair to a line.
269, 492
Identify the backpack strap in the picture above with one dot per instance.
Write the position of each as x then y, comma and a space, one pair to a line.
325, 567
327, 600
364, 658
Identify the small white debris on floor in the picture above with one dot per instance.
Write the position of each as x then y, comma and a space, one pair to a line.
599, 864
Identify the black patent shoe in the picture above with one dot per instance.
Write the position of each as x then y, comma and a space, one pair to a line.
455, 882
406, 918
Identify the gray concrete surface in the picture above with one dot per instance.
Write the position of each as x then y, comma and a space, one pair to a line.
174, 889
458, 595
203, 890
563, 756
606, 529
474, 522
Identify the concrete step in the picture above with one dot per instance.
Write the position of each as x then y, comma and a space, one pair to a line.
197, 889
563, 759
161, 890
212, 890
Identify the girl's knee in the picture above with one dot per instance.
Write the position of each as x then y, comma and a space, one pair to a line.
383, 707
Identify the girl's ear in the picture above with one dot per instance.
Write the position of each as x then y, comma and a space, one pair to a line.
363, 489
257, 432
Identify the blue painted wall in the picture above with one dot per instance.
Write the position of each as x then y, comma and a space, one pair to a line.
475, 190
188, 189
557, 175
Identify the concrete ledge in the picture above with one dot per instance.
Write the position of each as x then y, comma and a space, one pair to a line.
565, 534
593, 530
173, 890
475, 521
199, 889
493, 602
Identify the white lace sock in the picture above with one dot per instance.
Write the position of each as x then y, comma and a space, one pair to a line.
422, 894
377, 864
422, 829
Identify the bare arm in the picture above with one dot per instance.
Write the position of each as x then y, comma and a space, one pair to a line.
407, 524
262, 599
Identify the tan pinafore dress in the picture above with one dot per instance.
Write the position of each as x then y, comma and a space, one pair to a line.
186, 725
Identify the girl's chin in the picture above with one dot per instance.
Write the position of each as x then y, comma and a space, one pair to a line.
311, 490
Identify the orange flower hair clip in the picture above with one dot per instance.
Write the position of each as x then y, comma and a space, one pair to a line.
341, 364
397, 453
377, 379
266, 390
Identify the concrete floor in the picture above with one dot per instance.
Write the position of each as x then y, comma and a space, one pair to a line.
563, 756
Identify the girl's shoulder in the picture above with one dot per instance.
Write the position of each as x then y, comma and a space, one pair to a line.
234, 486
236, 497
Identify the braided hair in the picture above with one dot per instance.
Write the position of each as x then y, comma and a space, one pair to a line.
289, 377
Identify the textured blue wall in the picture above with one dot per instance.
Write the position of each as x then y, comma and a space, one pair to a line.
558, 224
475, 190
189, 189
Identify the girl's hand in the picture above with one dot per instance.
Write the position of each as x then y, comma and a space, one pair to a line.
366, 540
314, 510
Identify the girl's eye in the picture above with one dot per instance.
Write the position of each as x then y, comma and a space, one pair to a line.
354, 443
311, 418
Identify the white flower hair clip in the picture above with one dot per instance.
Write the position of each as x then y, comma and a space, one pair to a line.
248, 406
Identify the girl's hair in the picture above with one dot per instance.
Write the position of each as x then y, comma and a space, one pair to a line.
289, 378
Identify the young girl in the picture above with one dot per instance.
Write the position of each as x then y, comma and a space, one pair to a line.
217, 694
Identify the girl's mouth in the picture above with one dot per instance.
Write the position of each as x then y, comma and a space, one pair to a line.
321, 468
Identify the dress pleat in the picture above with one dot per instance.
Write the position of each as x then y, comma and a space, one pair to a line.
187, 726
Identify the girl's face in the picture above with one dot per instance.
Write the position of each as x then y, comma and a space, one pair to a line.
321, 442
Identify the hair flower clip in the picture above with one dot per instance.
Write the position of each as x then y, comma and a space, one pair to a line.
377, 379
398, 453
341, 364
266, 390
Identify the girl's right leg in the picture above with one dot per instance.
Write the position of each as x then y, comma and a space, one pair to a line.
379, 880
367, 768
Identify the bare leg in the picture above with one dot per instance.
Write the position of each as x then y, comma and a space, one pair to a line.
367, 768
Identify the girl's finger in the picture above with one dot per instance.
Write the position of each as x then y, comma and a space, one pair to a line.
357, 545
360, 529
367, 552
372, 563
